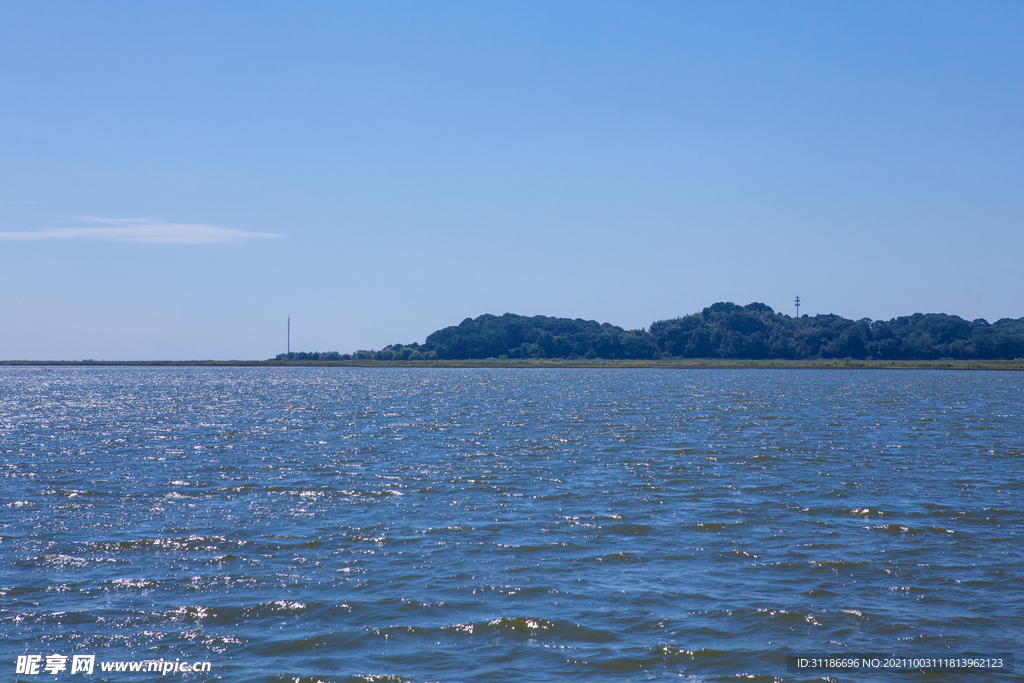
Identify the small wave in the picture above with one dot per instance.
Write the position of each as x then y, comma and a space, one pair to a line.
80, 493
225, 558
630, 529
837, 565
232, 615
531, 627
133, 583
897, 529
290, 646
190, 613
681, 659
439, 529
523, 625
619, 558
701, 656
194, 542
62, 561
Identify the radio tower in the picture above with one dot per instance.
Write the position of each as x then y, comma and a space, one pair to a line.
798, 305
290, 334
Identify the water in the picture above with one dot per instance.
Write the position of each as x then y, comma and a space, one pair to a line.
325, 524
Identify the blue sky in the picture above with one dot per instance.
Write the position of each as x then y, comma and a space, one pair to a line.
178, 178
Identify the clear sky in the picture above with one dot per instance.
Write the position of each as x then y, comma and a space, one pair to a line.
177, 178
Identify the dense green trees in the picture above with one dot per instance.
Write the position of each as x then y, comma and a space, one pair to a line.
755, 331
517, 336
723, 330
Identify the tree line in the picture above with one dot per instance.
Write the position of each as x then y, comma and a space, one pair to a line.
723, 330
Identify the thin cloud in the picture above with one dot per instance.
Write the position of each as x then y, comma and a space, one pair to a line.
149, 230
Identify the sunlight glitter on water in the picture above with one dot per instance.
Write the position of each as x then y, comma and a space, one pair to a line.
338, 524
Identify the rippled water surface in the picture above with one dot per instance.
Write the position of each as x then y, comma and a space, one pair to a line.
467, 525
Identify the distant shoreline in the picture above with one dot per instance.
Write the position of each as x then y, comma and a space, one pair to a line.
722, 331
668, 364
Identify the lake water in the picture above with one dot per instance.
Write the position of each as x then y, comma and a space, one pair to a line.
347, 524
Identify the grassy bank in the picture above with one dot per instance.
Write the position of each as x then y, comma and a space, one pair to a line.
682, 364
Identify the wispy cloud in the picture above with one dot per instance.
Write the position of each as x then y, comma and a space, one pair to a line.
149, 230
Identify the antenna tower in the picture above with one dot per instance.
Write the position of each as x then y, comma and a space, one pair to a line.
798, 305
289, 335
